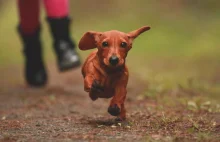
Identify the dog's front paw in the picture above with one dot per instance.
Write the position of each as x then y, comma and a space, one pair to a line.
114, 110
96, 87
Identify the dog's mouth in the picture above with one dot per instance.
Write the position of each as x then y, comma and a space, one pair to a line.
113, 64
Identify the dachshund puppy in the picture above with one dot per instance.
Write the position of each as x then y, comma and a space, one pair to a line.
104, 71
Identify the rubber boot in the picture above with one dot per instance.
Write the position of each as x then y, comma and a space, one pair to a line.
67, 57
35, 73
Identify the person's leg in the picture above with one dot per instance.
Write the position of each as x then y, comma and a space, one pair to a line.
29, 31
59, 23
57, 8
28, 15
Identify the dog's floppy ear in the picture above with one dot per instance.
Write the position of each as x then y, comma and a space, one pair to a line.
89, 40
136, 33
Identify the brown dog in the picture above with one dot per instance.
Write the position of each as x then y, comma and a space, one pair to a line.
104, 71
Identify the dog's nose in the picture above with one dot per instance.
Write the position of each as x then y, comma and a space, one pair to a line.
113, 60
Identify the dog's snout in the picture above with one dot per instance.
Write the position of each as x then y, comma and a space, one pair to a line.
113, 60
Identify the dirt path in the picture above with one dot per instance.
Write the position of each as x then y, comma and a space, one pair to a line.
63, 112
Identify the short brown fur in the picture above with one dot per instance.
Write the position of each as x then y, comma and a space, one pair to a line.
103, 76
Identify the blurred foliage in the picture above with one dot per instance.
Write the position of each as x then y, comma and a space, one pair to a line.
179, 27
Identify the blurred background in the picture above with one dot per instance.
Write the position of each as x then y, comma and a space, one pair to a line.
174, 83
183, 46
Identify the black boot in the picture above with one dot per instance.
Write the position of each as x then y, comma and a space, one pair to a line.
35, 73
64, 47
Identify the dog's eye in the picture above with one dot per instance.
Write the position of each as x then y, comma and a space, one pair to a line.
105, 44
123, 44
